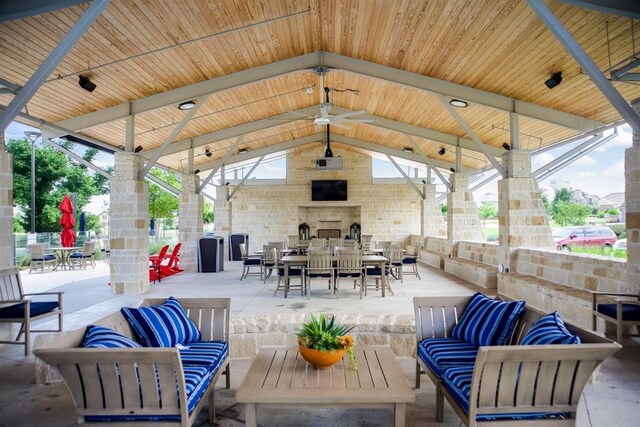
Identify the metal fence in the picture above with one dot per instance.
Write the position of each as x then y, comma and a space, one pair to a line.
22, 240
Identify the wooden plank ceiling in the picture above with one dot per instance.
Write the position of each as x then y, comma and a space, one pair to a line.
136, 49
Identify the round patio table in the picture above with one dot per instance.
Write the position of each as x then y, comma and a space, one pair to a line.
63, 254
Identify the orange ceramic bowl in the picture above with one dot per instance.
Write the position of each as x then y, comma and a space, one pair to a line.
320, 359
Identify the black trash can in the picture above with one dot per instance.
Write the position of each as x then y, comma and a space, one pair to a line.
234, 245
211, 254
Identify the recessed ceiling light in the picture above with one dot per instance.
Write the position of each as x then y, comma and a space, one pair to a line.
243, 150
407, 150
187, 105
459, 103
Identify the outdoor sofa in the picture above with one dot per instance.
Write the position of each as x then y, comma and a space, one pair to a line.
503, 363
164, 377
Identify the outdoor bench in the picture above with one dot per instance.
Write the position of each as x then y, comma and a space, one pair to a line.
122, 383
475, 262
519, 380
435, 251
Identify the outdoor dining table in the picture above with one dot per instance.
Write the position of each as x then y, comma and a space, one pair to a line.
301, 260
63, 254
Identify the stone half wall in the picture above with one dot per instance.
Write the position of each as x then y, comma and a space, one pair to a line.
463, 222
248, 333
268, 213
6, 208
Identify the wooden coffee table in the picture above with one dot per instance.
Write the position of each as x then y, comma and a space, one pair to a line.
280, 377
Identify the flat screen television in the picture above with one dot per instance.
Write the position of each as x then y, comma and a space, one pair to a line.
328, 190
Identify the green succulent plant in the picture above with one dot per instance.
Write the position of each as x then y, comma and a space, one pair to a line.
323, 334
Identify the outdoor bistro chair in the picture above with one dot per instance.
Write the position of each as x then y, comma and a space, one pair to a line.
106, 249
248, 262
293, 241
394, 255
81, 258
293, 273
15, 307
622, 310
349, 265
268, 262
381, 277
319, 266
278, 244
317, 243
365, 242
39, 258
412, 260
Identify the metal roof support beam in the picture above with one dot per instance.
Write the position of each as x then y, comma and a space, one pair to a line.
52, 61
565, 156
160, 183
193, 91
575, 156
514, 131
484, 181
496, 164
454, 90
78, 159
245, 178
171, 137
622, 71
406, 177
129, 133
429, 162
222, 162
190, 160
586, 63
10, 10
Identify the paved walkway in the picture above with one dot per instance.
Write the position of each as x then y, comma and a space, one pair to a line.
612, 398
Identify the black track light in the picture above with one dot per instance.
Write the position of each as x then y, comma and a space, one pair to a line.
506, 146
208, 153
138, 149
452, 170
424, 182
86, 84
197, 171
442, 151
227, 183
555, 80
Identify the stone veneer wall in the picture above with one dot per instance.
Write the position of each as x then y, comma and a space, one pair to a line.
266, 213
435, 250
248, 333
576, 275
191, 223
129, 227
463, 222
632, 203
432, 218
6, 208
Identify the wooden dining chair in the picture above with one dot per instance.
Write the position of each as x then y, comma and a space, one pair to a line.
248, 262
39, 258
319, 266
349, 266
84, 257
268, 262
294, 272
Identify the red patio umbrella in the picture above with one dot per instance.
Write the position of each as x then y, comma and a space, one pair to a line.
67, 237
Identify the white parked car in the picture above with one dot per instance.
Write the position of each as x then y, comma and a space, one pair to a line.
620, 244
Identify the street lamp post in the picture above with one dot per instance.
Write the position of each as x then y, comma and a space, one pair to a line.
33, 136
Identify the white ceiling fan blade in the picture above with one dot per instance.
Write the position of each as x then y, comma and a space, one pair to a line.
340, 125
349, 114
358, 120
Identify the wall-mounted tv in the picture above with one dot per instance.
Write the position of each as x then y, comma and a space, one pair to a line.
328, 190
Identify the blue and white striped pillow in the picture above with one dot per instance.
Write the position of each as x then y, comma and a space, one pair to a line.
103, 337
549, 329
486, 321
162, 326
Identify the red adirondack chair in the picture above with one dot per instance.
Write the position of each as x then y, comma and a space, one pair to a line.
172, 267
155, 261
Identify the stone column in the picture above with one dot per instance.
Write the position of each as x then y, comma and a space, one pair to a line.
6, 206
632, 205
191, 226
522, 219
432, 219
463, 222
129, 227
223, 211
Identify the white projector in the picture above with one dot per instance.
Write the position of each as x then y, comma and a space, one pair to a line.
327, 163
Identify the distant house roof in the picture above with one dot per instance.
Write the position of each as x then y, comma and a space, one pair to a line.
617, 198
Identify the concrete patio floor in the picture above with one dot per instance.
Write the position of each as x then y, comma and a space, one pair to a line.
612, 398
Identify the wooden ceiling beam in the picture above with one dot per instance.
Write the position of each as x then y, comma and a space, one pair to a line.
453, 90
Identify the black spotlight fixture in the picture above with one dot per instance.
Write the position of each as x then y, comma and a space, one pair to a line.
407, 150
506, 146
197, 171
208, 153
442, 151
86, 84
555, 80
121, 147
243, 150
138, 149
424, 182
452, 170
227, 183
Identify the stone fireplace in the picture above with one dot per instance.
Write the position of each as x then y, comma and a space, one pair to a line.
329, 233
329, 221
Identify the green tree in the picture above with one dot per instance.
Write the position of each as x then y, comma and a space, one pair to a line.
209, 215
545, 200
562, 195
568, 213
163, 205
93, 222
613, 211
55, 176
487, 210
443, 208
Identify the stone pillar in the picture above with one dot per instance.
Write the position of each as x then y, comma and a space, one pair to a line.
432, 219
522, 219
129, 227
463, 222
632, 205
6, 206
223, 211
191, 222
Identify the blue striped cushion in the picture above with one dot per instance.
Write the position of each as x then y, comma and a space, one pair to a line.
441, 353
102, 337
549, 329
457, 381
205, 353
487, 322
162, 326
